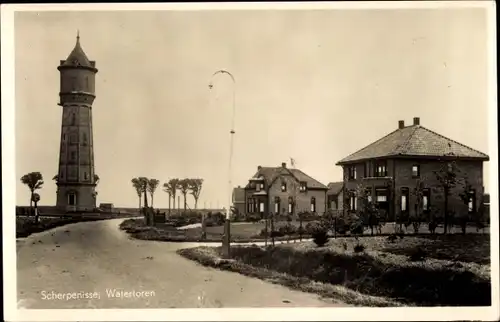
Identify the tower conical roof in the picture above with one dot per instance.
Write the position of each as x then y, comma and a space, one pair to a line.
77, 56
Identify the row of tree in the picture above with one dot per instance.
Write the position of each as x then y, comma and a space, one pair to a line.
144, 186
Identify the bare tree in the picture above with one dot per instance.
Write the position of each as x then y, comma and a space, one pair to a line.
418, 194
447, 177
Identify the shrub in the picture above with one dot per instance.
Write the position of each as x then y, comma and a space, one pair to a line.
276, 233
416, 226
312, 227
432, 227
392, 238
320, 237
418, 255
357, 228
359, 248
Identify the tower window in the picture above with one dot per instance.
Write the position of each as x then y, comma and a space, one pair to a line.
85, 176
73, 119
64, 136
73, 155
84, 138
73, 83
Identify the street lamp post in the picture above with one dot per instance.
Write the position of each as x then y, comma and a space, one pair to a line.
227, 225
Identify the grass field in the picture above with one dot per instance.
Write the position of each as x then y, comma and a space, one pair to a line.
25, 225
454, 270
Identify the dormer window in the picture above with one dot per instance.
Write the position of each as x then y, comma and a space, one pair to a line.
283, 187
259, 186
303, 187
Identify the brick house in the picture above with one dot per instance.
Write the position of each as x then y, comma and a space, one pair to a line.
335, 196
239, 199
390, 168
285, 191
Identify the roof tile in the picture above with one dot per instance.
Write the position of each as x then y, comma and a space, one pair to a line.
414, 140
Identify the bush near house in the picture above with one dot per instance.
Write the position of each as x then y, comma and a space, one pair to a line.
241, 232
372, 271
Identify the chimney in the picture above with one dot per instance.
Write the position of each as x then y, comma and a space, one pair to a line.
416, 121
401, 124
258, 168
283, 165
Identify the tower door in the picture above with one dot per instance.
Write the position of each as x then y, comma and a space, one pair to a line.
72, 199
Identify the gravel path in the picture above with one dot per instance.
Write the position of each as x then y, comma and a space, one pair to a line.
97, 258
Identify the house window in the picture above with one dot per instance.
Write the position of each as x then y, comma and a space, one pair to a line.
257, 187
415, 171
352, 172
303, 187
426, 198
405, 194
261, 207
250, 205
313, 204
381, 198
290, 204
381, 169
365, 169
255, 205
283, 187
277, 205
472, 201
85, 176
353, 200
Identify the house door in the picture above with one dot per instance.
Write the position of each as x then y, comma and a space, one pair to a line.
72, 199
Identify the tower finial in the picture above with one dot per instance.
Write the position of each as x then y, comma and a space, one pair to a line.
78, 35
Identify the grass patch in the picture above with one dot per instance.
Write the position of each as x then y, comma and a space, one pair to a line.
210, 256
26, 226
240, 232
377, 271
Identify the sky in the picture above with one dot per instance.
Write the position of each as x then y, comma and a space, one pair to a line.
313, 85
